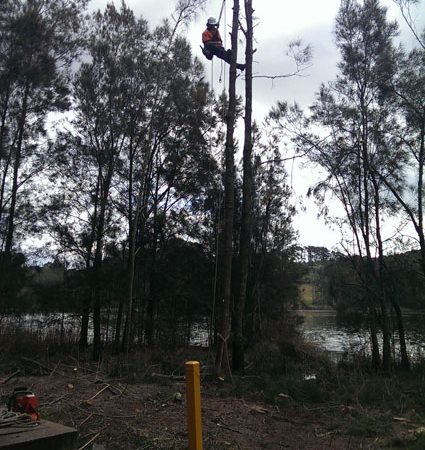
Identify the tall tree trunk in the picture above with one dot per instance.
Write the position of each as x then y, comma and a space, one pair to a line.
405, 363
118, 323
88, 292
84, 331
2, 149
152, 301
16, 167
222, 357
138, 222
385, 325
376, 358
238, 355
181, 14
421, 161
98, 256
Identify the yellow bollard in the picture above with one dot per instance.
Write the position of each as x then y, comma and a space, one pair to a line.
193, 400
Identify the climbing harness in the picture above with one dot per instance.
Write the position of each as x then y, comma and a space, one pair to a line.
205, 51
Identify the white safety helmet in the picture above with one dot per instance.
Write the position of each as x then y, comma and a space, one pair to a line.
212, 22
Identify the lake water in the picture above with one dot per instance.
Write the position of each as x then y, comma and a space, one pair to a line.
321, 328
338, 338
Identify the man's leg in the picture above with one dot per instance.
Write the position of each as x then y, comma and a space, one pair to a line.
221, 53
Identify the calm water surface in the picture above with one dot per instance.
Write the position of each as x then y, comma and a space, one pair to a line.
323, 329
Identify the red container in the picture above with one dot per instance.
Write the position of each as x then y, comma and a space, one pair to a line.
24, 401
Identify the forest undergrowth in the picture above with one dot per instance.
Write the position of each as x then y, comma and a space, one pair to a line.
289, 397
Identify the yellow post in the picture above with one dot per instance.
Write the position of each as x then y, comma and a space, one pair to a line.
193, 400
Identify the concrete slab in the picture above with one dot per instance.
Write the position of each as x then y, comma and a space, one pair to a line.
46, 436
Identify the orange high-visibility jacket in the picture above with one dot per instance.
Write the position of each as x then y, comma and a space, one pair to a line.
212, 37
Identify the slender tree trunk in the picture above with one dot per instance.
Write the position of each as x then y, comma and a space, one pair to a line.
97, 265
421, 161
376, 358
140, 203
84, 332
118, 323
2, 149
138, 223
88, 292
238, 355
386, 334
16, 167
405, 363
222, 357
152, 307
97, 340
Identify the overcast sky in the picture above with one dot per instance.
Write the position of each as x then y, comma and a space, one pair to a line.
280, 22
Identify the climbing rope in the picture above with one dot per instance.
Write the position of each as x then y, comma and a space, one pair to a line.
219, 200
225, 43
16, 419
221, 10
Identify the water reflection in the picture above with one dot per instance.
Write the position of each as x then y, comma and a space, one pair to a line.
342, 337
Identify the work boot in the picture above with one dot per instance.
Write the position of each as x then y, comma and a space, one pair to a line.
240, 67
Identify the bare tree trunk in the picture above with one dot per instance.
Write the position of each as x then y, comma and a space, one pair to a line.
238, 355
98, 256
421, 161
376, 358
16, 167
88, 291
184, 12
386, 334
222, 357
405, 363
83, 342
118, 323
2, 150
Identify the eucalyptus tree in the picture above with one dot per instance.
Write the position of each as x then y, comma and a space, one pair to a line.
39, 40
357, 122
408, 91
110, 95
222, 362
180, 172
238, 354
164, 36
271, 281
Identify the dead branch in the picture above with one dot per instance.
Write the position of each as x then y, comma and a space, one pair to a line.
85, 420
40, 365
54, 368
258, 409
104, 415
170, 377
8, 378
296, 73
96, 395
90, 441
114, 390
228, 428
56, 400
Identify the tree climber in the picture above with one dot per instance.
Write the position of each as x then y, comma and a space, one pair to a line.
213, 45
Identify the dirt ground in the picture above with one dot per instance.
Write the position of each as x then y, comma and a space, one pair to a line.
153, 416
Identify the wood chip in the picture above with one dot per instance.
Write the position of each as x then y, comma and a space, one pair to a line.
259, 409
402, 419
